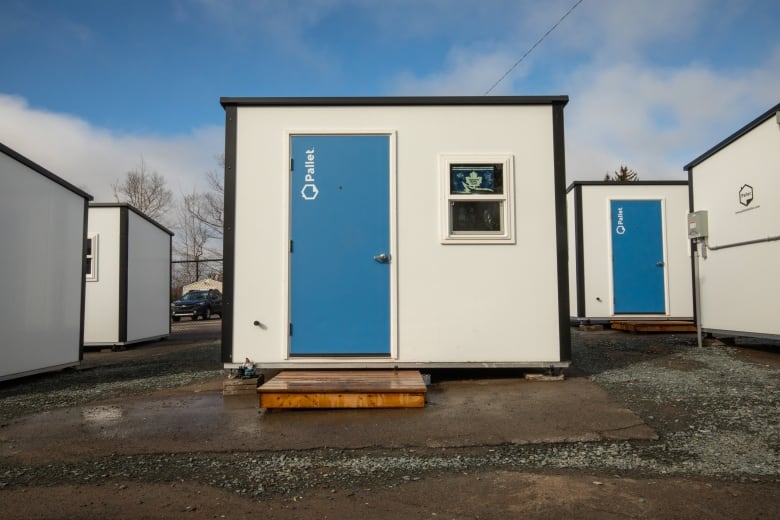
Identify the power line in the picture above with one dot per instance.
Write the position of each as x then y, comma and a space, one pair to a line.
533, 47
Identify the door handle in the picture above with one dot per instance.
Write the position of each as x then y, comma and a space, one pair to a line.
660, 263
382, 258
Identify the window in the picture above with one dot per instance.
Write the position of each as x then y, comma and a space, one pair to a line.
90, 258
477, 203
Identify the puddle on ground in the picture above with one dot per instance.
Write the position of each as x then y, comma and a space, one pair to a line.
102, 415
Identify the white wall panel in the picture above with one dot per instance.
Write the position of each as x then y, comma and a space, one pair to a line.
740, 285
101, 317
148, 274
41, 257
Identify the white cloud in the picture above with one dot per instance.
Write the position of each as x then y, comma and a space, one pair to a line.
620, 29
92, 158
626, 106
656, 120
466, 73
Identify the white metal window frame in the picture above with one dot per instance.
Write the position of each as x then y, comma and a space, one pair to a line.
92, 276
507, 234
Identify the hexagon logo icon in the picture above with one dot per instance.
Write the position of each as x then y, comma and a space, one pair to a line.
746, 194
309, 192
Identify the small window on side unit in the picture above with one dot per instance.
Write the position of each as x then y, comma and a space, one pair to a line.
90, 258
477, 204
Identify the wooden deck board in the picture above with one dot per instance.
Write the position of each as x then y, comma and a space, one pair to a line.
344, 389
653, 325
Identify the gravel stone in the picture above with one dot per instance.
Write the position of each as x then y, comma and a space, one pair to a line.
715, 413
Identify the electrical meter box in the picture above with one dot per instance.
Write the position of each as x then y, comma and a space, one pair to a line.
697, 224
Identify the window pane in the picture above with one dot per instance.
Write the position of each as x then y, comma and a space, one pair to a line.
476, 216
476, 179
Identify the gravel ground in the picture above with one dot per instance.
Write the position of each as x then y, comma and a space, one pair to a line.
715, 410
74, 387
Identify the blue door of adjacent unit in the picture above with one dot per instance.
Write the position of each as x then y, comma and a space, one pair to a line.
340, 245
637, 257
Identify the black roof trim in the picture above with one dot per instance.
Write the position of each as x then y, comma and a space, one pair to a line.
628, 183
733, 137
43, 171
393, 101
133, 209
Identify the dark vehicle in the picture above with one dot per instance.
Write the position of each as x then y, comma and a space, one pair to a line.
197, 303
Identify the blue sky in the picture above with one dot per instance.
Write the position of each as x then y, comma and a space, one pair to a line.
90, 86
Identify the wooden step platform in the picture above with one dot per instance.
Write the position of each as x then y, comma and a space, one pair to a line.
240, 386
343, 389
653, 325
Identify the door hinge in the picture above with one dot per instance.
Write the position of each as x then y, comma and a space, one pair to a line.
291, 246
290, 329
292, 164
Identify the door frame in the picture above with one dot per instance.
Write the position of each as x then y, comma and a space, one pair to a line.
392, 246
664, 252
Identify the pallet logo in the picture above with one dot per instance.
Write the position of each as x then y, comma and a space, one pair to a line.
309, 190
620, 229
746, 194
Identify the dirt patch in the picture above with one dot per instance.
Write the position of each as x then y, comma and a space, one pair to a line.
487, 495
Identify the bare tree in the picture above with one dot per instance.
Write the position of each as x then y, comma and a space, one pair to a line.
209, 207
192, 239
145, 190
623, 174
200, 221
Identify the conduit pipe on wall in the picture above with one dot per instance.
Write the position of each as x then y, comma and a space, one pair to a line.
708, 247
697, 288
737, 244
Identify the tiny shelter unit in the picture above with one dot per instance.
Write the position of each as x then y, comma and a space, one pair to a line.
735, 200
395, 232
629, 253
128, 276
43, 223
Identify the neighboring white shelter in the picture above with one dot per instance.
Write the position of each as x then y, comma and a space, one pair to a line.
735, 190
201, 285
395, 232
629, 253
42, 240
128, 276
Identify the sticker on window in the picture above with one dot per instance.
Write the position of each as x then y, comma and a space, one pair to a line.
476, 179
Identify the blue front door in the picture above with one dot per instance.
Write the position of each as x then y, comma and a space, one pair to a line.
638, 257
340, 245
